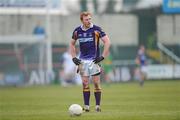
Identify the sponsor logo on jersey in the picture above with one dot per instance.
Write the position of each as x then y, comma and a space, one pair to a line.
84, 34
85, 40
80, 35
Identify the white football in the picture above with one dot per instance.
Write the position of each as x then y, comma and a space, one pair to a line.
75, 110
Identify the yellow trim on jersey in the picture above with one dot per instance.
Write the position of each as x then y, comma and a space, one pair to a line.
96, 38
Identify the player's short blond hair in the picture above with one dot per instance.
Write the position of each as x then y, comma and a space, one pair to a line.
84, 14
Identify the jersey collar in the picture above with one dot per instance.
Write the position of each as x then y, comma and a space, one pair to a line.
82, 27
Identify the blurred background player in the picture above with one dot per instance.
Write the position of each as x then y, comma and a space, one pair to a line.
88, 36
141, 61
107, 69
67, 74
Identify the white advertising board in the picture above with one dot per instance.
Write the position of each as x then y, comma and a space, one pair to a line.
177, 71
163, 71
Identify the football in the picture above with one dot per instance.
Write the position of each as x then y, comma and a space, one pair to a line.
75, 110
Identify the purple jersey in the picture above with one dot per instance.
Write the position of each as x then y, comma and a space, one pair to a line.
142, 58
88, 41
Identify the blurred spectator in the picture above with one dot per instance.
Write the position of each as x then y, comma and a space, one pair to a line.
39, 29
141, 62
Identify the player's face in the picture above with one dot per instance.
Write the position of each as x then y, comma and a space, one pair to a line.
86, 21
142, 48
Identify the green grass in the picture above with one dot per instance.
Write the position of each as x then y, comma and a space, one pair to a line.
157, 100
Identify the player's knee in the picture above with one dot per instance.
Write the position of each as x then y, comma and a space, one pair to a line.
85, 84
97, 86
97, 89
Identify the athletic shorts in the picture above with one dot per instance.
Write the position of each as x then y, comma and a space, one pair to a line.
88, 68
144, 69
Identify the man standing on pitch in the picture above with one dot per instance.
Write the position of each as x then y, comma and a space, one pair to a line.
88, 36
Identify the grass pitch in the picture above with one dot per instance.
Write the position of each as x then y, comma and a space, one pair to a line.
157, 100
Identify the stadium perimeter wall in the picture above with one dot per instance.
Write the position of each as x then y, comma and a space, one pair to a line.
122, 29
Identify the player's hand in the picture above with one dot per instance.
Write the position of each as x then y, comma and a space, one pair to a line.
98, 59
76, 61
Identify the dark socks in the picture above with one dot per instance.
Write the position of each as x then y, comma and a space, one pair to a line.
97, 97
86, 95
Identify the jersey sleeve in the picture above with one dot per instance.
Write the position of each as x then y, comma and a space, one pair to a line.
74, 35
101, 32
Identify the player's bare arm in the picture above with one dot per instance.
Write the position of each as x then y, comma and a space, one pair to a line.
105, 53
73, 52
107, 44
72, 48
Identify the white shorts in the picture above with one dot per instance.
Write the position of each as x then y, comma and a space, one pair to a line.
144, 69
88, 68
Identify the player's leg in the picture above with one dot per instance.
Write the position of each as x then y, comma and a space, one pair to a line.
63, 78
141, 79
97, 91
143, 75
86, 92
83, 69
